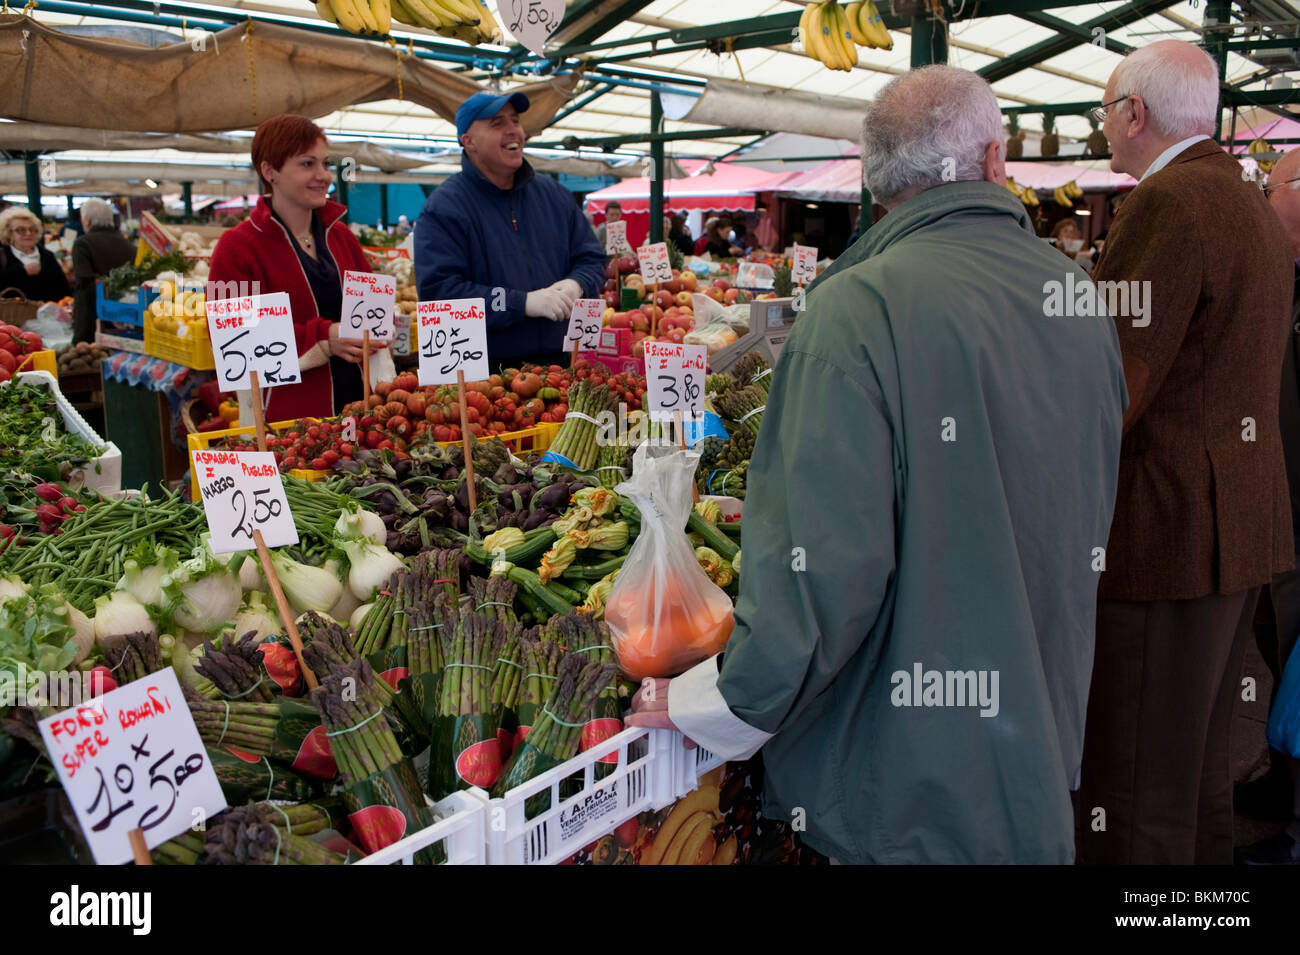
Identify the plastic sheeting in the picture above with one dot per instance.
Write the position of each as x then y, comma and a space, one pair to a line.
729, 103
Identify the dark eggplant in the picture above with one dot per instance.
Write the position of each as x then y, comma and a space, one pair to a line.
459, 521
402, 468
385, 502
536, 519
450, 473
505, 474
553, 498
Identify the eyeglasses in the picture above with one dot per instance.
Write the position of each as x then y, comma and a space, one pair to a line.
1100, 113
1274, 186
25, 229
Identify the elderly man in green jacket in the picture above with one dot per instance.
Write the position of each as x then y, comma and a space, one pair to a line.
930, 501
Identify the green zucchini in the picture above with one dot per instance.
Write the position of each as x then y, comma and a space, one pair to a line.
713, 537
536, 543
593, 571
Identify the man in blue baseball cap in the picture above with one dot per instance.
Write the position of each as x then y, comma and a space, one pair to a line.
499, 232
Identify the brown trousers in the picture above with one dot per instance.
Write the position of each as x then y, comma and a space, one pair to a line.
1157, 776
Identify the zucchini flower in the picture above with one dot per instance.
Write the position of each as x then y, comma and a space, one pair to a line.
601, 537
709, 510
577, 518
557, 560
503, 539
600, 500
596, 597
735, 563
718, 570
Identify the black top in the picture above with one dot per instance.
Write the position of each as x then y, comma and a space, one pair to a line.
49, 285
327, 288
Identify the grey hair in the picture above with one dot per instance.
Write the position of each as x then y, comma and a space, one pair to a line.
1183, 97
925, 127
96, 214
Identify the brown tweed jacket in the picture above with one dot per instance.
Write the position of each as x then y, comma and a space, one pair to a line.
1203, 505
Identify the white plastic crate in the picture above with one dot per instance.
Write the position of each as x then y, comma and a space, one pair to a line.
644, 778
461, 830
108, 478
693, 764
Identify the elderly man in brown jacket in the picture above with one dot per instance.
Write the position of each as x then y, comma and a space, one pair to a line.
1202, 518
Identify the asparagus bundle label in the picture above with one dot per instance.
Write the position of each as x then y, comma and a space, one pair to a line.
245, 778
479, 764
312, 756
596, 731
282, 667
382, 807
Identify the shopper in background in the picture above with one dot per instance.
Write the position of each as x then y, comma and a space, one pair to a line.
965, 551
403, 227
29, 266
95, 253
1067, 237
716, 239
296, 241
679, 235
1201, 518
1276, 794
498, 232
613, 213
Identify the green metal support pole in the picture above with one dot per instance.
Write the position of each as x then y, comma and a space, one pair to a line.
1218, 13
383, 204
656, 170
929, 41
32, 166
71, 211
187, 197
342, 190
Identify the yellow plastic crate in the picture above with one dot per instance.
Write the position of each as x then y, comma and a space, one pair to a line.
535, 439
192, 351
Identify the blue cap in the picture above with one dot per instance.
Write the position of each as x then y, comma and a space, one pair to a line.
485, 106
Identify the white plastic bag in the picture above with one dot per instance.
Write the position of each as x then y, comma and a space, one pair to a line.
664, 613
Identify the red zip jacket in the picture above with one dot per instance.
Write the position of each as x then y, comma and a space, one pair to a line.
260, 250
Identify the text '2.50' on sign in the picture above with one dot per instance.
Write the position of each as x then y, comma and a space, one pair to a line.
531, 22
242, 492
369, 301
452, 338
133, 759
253, 334
675, 380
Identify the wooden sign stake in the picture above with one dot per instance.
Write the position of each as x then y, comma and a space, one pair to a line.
139, 848
573, 360
654, 317
282, 605
365, 366
259, 417
464, 437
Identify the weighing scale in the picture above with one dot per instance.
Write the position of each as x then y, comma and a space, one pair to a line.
770, 321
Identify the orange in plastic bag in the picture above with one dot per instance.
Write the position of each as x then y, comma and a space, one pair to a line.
663, 612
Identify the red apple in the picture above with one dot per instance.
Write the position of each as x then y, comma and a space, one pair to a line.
683, 298
622, 319
611, 285
675, 335
611, 299
689, 281
664, 299
638, 320
715, 293
629, 264
675, 285
729, 296
611, 268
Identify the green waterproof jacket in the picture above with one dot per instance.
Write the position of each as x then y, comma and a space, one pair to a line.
930, 500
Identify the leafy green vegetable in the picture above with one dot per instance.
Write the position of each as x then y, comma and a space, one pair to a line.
32, 438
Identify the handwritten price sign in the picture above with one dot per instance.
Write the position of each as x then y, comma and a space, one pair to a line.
242, 492
254, 333
585, 322
133, 759
616, 238
531, 22
655, 267
453, 337
369, 300
675, 380
804, 270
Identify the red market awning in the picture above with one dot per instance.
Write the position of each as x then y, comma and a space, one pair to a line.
729, 187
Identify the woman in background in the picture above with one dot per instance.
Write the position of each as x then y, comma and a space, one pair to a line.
28, 265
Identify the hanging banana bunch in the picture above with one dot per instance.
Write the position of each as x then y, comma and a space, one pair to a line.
1064, 195
829, 32
467, 20
1259, 146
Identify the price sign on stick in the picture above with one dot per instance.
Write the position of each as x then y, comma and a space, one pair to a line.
655, 267
133, 759
453, 338
531, 22
616, 238
369, 300
242, 493
804, 270
585, 323
675, 380
254, 333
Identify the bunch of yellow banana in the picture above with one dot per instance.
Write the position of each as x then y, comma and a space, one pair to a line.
1064, 194
824, 31
1025, 194
867, 25
1259, 146
468, 20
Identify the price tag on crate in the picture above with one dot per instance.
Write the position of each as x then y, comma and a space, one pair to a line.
655, 267
253, 333
675, 380
452, 338
585, 323
369, 301
531, 22
242, 492
616, 238
133, 759
804, 269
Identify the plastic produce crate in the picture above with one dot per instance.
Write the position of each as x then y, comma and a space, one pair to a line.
194, 350
462, 830
694, 763
130, 312
643, 779
44, 360
107, 479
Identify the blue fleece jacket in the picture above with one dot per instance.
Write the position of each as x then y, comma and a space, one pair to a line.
474, 240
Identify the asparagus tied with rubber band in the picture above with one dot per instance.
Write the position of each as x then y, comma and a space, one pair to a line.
328, 647
349, 701
237, 670
135, 657
577, 438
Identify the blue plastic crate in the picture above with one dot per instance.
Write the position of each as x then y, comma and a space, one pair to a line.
124, 313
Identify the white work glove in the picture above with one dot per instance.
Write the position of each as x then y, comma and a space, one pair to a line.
550, 303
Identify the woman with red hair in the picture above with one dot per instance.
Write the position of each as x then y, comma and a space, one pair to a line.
296, 242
